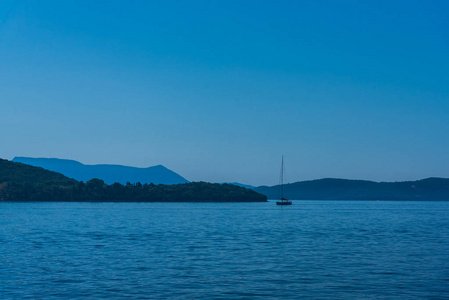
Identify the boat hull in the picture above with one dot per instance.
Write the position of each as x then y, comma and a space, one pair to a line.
283, 203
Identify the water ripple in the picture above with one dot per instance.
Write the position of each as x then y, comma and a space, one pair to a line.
313, 250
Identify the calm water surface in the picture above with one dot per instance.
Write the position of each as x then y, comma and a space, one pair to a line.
313, 250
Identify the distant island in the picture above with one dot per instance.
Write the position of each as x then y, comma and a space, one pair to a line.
22, 182
108, 173
430, 189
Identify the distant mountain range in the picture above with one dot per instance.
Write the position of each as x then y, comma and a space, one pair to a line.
108, 173
321, 189
344, 189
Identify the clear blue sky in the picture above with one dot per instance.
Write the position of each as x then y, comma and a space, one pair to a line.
219, 90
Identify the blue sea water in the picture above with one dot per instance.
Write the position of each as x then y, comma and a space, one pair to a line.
310, 250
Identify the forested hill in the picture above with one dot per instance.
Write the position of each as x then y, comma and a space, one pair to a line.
21, 182
344, 189
17, 173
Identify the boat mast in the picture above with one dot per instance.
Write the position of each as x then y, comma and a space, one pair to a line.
282, 179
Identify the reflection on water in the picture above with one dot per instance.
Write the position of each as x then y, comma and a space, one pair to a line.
313, 249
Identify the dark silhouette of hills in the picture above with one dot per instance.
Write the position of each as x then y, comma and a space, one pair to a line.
345, 189
12, 173
25, 182
108, 173
21, 182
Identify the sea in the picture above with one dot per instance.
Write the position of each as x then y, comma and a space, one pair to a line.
310, 250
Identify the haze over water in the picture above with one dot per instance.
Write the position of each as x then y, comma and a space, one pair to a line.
313, 250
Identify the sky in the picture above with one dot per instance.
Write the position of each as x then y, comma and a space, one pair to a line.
218, 91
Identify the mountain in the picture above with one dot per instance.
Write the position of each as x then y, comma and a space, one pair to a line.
21, 182
108, 173
345, 189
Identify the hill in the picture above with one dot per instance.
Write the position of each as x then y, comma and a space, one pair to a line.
108, 173
21, 182
11, 172
344, 189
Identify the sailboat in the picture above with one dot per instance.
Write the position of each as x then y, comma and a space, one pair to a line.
283, 201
